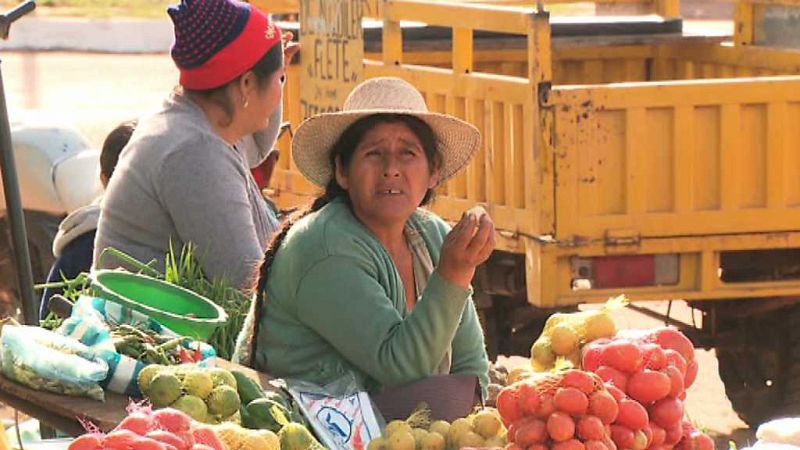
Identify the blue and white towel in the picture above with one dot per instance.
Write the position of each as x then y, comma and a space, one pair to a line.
90, 323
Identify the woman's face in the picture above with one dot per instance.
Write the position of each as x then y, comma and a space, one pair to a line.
388, 175
264, 100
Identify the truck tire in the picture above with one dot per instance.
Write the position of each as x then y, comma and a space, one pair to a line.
761, 371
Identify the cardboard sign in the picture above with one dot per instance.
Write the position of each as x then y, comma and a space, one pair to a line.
332, 42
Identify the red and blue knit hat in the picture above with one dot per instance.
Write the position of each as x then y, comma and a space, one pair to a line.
218, 40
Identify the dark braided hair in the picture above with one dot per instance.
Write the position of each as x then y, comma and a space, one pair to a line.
343, 150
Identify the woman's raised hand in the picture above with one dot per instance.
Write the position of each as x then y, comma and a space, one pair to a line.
467, 245
289, 48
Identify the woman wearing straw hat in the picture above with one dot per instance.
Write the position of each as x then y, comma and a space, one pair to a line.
365, 281
185, 175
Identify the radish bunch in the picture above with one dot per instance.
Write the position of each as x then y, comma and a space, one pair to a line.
571, 410
648, 372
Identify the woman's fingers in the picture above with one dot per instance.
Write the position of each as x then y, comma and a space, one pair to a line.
481, 236
289, 51
463, 231
488, 248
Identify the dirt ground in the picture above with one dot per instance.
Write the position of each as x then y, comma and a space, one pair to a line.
96, 92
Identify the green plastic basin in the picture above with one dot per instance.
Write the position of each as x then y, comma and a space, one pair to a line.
178, 309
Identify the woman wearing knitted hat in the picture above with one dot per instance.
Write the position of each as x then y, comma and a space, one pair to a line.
365, 281
185, 175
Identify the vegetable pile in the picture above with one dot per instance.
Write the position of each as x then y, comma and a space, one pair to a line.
648, 371
144, 429
570, 410
483, 429
205, 394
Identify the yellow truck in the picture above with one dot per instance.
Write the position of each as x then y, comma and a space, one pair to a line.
620, 155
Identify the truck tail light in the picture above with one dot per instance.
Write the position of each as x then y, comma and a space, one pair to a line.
606, 272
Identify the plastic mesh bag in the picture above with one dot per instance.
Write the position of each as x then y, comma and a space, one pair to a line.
44, 360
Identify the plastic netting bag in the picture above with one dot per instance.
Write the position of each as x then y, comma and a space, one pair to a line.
548, 383
96, 323
48, 361
341, 413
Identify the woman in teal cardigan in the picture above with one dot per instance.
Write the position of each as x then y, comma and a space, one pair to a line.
364, 281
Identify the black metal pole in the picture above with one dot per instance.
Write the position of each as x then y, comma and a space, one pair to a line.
8, 170
19, 236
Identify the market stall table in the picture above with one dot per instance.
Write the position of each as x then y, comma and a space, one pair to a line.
65, 413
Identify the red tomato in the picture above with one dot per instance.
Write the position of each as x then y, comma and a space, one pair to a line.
120, 439
172, 420
654, 356
138, 422
667, 412
613, 376
546, 407
591, 428
571, 401
144, 443
673, 435
675, 381
648, 432
572, 444
528, 398
166, 437
560, 427
660, 447
583, 381
517, 425
702, 441
604, 406
610, 444
675, 359
658, 433
533, 432
639, 440
648, 386
536, 447
206, 436
622, 355
508, 404
595, 445
691, 374
92, 441
622, 436
632, 414
591, 354
615, 392
187, 437
675, 340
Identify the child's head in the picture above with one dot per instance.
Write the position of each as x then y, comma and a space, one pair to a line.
112, 146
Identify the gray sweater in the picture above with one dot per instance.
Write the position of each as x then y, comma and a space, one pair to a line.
178, 180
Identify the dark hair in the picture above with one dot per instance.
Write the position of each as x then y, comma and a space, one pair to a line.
116, 140
343, 149
270, 63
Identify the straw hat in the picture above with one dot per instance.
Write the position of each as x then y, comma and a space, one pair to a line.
456, 140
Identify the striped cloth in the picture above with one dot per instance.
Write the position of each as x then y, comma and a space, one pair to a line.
91, 322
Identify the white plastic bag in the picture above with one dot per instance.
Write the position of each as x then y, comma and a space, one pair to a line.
780, 431
44, 360
341, 413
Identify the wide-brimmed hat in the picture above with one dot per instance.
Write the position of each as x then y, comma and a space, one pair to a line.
456, 140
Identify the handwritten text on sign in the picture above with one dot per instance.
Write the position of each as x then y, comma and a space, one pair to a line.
332, 43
